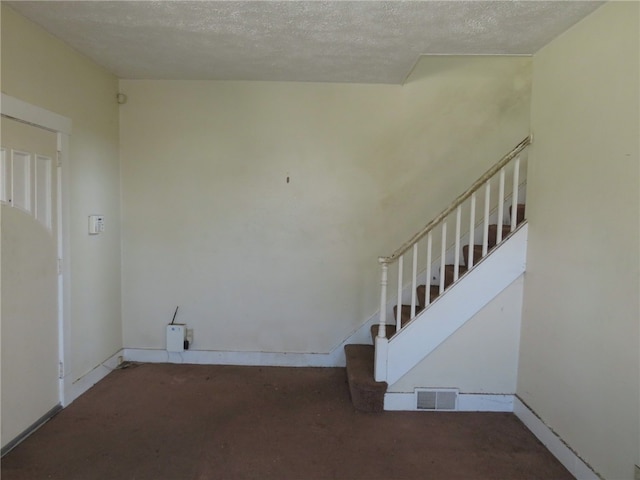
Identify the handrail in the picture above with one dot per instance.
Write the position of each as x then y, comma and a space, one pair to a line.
458, 201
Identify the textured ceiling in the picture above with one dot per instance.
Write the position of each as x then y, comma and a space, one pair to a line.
328, 41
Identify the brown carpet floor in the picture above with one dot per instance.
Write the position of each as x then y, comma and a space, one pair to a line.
201, 422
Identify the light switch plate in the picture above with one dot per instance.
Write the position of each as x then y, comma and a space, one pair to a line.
96, 224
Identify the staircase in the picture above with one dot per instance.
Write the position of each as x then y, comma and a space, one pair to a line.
368, 366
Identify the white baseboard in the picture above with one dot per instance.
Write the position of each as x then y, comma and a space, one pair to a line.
565, 455
84, 383
506, 403
467, 402
258, 359
335, 358
475, 402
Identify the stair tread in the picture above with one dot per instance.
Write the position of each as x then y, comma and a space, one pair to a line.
407, 308
405, 315
389, 329
434, 292
451, 266
477, 254
367, 395
493, 234
520, 212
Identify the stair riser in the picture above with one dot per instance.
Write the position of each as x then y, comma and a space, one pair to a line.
477, 254
405, 314
389, 329
493, 234
434, 289
520, 213
449, 271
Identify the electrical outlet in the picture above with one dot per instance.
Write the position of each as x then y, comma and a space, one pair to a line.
120, 360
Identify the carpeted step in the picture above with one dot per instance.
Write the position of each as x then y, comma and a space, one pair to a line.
520, 214
405, 314
367, 395
448, 273
390, 331
493, 234
492, 237
477, 254
391, 325
434, 291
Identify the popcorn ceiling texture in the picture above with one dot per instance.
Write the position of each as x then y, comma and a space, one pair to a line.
324, 41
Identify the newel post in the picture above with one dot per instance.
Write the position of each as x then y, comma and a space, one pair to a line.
380, 363
382, 332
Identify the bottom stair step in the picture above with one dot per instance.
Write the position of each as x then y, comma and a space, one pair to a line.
367, 395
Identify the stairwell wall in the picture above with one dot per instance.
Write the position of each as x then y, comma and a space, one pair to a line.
261, 207
481, 357
579, 362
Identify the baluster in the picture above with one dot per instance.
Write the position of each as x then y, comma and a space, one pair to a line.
500, 206
442, 254
456, 253
414, 275
399, 304
427, 295
382, 331
514, 199
485, 235
472, 228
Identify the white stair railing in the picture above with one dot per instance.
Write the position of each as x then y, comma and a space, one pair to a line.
426, 240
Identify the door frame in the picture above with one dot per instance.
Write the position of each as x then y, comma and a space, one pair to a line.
25, 112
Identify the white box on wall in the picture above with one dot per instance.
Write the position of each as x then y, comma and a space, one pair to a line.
176, 335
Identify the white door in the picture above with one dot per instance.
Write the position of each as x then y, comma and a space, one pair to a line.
29, 283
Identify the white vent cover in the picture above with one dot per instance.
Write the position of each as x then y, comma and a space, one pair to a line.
436, 399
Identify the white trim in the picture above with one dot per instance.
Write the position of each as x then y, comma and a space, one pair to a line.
335, 358
474, 402
84, 383
263, 359
21, 110
467, 402
558, 447
64, 254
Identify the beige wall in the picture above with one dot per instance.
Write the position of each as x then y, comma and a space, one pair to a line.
481, 357
41, 70
258, 264
579, 366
